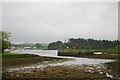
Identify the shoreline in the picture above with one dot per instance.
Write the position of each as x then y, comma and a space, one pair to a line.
54, 71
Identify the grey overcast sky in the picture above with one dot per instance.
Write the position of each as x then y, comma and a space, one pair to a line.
51, 21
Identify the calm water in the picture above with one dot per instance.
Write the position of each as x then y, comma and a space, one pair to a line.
53, 53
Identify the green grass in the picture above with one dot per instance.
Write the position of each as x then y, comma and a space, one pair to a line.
111, 53
14, 55
102, 56
82, 50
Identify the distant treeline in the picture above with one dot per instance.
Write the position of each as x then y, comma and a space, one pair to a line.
31, 45
81, 43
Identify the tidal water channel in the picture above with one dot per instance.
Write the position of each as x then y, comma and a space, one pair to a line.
75, 61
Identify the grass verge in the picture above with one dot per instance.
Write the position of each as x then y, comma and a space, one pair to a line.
88, 55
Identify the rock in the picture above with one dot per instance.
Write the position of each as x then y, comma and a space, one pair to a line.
41, 69
34, 70
44, 72
17, 75
101, 72
109, 76
12, 74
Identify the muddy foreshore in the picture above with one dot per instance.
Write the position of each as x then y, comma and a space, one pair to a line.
47, 68
71, 71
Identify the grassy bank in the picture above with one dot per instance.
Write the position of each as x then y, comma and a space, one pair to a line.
12, 59
90, 55
111, 54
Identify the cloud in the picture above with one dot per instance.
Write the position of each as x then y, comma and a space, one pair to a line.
51, 21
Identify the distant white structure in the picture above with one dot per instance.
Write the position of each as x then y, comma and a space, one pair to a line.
98, 53
67, 47
27, 47
7, 50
